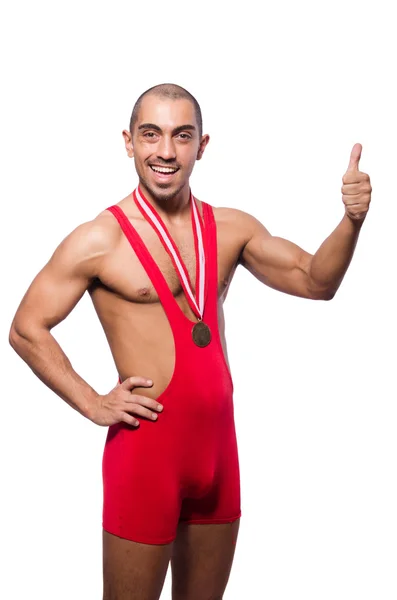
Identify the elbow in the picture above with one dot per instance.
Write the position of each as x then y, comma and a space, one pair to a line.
328, 295
316, 291
20, 337
322, 294
14, 338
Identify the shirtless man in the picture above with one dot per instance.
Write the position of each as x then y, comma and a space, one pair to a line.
170, 464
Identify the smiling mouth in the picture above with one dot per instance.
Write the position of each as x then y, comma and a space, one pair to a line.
164, 170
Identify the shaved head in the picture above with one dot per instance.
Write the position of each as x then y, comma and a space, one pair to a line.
172, 91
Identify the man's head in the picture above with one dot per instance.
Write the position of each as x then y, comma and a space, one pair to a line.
165, 135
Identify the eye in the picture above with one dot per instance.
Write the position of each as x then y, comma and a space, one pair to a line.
185, 136
149, 134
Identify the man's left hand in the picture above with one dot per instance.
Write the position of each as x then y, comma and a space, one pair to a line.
356, 188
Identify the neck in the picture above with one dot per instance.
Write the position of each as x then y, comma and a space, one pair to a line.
173, 208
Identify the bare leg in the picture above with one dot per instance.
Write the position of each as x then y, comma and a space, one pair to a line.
133, 571
201, 561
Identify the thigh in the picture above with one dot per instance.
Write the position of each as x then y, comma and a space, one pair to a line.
131, 570
202, 557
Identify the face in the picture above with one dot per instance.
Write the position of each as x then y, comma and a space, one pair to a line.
165, 144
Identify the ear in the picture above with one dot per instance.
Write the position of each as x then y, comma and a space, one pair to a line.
128, 143
203, 143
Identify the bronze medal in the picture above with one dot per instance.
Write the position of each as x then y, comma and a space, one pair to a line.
201, 334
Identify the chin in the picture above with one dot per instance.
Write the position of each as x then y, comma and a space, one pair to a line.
166, 193
162, 191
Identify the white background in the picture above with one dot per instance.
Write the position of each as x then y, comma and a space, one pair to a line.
286, 89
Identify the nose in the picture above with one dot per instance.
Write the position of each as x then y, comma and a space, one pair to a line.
166, 148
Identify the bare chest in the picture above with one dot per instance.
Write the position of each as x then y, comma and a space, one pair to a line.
124, 274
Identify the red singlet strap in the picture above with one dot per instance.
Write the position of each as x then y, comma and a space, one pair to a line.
157, 278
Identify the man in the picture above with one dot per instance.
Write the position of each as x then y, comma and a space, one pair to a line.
158, 266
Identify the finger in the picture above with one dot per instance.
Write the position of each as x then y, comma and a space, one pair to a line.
351, 188
140, 410
144, 401
133, 382
363, 199
355, 177
350, 200
353, 206
355, 157
126, 418
362, 187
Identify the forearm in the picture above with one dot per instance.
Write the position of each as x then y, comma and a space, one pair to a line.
330, 263
47, 360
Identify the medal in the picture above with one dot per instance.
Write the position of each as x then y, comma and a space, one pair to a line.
201, 333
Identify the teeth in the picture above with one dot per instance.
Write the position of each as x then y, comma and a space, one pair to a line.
163, 169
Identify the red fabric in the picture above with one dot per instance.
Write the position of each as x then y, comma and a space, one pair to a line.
184, 466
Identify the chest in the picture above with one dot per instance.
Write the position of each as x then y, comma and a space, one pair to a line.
125, 274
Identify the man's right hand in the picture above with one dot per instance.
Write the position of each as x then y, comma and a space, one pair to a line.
116, 406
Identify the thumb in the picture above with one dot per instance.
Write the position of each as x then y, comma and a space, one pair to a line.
133, 382
355, 157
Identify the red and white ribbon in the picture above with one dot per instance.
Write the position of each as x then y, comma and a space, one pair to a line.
159, 226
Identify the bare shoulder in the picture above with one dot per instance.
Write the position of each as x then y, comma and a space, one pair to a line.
239, 223
88, 243
93, 237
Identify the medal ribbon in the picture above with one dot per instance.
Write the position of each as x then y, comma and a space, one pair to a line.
151, 215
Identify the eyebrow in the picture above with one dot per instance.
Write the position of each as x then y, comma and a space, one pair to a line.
174, 131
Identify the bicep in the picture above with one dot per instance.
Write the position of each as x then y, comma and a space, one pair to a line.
277, 262
50, 298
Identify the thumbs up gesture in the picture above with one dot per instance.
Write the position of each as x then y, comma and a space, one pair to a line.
356, 188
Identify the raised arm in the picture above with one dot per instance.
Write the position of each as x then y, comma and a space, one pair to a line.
284, 266
50, 298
